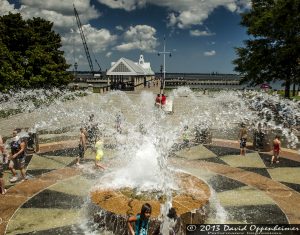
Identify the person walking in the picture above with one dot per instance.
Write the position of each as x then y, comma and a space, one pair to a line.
2, 162
91, 131
119, 118
99, 154
158, 100
81, 145
17, 157
185, 137
276, 149
163, 99
243, 134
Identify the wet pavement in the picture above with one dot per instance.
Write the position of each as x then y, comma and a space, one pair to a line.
245, 189
248, 188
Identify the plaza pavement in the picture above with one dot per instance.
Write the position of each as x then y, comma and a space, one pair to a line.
247, 187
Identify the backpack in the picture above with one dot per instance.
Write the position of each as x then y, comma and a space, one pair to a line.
15, 146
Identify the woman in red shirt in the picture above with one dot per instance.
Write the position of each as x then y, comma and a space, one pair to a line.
163, 99
158, 100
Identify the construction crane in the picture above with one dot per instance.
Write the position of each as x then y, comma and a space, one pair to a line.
100, 70
86, 49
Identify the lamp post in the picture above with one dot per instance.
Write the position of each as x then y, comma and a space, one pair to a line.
164, 65
161, 75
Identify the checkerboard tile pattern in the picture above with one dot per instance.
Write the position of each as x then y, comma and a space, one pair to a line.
57, 209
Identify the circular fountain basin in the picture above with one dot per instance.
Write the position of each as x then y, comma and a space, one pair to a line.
111, 208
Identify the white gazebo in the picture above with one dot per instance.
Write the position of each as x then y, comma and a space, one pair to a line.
126, 74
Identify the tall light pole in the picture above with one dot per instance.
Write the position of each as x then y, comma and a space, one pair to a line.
164, 66
161, 75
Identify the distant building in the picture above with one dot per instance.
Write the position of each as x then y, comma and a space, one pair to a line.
203, 81
126, 74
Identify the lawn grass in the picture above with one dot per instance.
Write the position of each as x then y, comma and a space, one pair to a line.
296, 97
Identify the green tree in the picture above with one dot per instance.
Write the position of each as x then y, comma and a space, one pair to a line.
273, 49
31, 55
9, 76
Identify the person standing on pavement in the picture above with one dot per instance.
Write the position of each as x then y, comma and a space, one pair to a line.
17, 157
99, 153
276, 149
2, 161
243, 134
81, 145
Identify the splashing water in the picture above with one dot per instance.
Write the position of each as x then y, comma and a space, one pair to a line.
148, 134
276, 114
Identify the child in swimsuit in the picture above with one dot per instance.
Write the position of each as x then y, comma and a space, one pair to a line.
99, 153
276, 149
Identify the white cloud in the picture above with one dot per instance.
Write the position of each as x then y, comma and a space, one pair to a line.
172, 19
98, 40
198, 33
127, 5
108, 54
210, 53
183, 14
61, 13
119, 27
6, 7
139, 37
127, 46
65, 6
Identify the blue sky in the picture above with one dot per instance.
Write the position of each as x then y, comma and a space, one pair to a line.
201, 34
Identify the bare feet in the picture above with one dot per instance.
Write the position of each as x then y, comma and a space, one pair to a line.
3, 191
100, 166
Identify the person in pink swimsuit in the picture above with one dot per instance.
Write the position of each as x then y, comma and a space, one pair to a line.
276, 149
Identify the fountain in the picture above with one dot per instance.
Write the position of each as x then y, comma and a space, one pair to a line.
190, 202
140, 170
